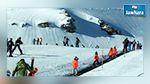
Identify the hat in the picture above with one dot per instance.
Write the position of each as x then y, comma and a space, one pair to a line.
35, 69
22, 60
76, 58
19, 37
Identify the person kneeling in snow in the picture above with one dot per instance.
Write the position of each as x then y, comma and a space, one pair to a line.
96, 59
22, 69
75, 65
32, 73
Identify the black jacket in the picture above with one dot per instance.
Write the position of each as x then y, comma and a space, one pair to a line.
18, 41
10, 43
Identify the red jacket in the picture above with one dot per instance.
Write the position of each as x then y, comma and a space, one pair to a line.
114, 51
96, 57
75, 64
110, 52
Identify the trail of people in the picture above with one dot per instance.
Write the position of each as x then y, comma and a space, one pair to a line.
91, 66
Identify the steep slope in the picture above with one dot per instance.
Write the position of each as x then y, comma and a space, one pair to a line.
88, 31
114, 17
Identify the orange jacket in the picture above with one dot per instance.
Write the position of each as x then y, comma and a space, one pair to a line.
75, 64
114, 51
96, 57
110, 52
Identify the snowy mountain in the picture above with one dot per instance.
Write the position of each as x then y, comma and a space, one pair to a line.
53, 60
85, 22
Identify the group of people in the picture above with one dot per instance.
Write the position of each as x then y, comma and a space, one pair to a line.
23, 69
111, 54
66, 42
131, 45
127, 46
10, 45
37, 41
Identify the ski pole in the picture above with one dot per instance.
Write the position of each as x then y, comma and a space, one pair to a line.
32, 62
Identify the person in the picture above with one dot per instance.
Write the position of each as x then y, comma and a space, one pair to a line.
37, 41
34, 40
96, 59
32, 73
10, 43
40, 40
17, 44
75, 65
110, 54
22, 69
125, 43
66, 40
140, 47
77, 42
133, 44
114, 51
8, 73
129, 46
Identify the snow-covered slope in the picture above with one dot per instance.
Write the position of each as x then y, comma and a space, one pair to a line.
130, 64
114, 17
53, 60
88, 31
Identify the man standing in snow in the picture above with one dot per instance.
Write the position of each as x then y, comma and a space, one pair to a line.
96, 59
10, 43
133, 45
129, 46
22, 69
114, 52
110, 54
17, 44
125, 45
66, 40
37, 41
75, 65
77, 42
34, 40
41, 40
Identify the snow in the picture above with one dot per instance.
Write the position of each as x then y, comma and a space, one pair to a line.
88, 31
53, 60
130, 64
